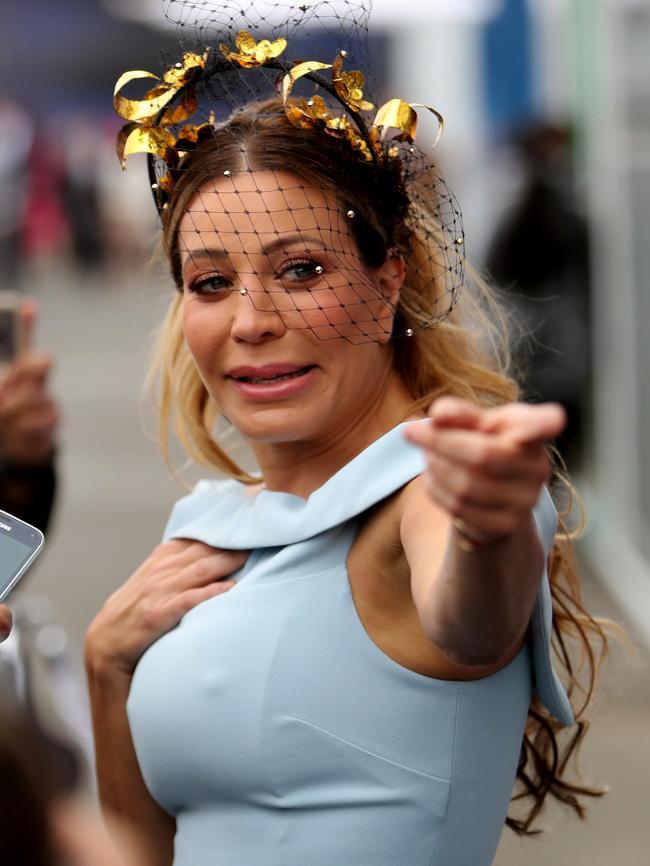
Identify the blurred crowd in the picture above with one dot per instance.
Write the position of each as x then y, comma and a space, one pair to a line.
61, 202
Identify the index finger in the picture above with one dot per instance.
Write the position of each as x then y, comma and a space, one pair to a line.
188, 550
526, 424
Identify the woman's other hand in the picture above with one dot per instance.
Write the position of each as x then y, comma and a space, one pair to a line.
5, 622
486, 467
177, 576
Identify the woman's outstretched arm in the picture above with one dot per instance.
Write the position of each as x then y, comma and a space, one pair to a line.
175, 578
468, 530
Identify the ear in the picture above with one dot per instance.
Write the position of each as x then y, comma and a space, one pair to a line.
390, 276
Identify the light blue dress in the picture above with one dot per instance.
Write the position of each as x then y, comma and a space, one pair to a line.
278, 734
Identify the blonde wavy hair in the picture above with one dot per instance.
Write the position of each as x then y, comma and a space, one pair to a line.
468, 355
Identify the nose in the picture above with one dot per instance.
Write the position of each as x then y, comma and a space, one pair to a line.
255, 318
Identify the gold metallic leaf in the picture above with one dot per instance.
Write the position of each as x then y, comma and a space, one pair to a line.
134, 138
338, 125
359, 144
187, 71
141, 109
397, 114
297, 72
439, 118
191, 133
298, 117
182, 110
155, 92
126, 78
306, 113
166, 182
246, 42
316, 107
400, 115
349, 86
252, 53
311, 113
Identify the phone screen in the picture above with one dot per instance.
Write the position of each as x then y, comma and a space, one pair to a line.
19, 545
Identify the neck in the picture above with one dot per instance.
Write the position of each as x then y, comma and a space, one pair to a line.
303, 466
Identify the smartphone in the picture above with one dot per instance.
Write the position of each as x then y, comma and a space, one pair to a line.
10, 336
20, 544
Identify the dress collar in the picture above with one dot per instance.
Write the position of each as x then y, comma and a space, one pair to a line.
224, 514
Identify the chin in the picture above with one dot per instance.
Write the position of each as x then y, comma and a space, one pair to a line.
276, 424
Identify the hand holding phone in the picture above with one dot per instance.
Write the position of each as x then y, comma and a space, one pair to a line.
29, 415
20, 544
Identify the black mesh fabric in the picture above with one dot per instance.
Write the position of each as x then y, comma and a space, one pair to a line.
317, 222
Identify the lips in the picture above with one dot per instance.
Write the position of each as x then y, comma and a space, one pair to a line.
268, 373
272, 382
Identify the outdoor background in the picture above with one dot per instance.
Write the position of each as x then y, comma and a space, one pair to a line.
547, 110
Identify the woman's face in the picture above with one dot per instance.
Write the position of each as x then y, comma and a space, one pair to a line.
288, 328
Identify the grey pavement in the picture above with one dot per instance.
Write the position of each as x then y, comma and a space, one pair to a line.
115, 496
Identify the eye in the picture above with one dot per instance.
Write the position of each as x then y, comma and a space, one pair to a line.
214, 284
296, 272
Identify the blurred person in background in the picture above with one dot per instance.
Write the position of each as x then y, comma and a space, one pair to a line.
29, 419
540, 254
16, 135
43, 819
45, 231
81, 192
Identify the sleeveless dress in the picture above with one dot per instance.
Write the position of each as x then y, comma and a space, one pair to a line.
277, 733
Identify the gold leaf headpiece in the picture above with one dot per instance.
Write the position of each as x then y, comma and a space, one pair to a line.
148, 131
252, 53
151, 118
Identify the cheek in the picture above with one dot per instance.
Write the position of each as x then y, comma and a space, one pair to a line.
204, 333
357, 370
351, 307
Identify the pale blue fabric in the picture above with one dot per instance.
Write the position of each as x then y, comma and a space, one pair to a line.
278, 734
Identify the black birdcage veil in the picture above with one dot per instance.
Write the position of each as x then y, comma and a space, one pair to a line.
285, 183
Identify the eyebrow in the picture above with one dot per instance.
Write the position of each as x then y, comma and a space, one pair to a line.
211, 253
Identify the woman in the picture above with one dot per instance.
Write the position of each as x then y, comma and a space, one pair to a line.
343, 659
